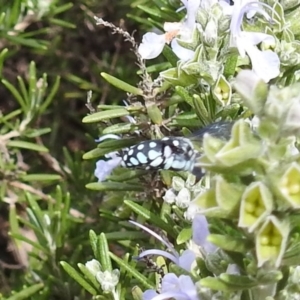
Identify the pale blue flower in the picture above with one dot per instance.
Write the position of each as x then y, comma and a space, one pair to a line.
173, 287
201, 232
105, 167
265, 64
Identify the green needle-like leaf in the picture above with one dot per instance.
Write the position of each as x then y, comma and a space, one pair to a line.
27, 292
114, 186
27, 145
122, 85
105, 115
104, 253
75, 275
137, 275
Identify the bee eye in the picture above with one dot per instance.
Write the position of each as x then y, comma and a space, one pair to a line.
170, 153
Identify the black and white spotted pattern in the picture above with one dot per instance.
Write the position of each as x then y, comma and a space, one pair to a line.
169, 153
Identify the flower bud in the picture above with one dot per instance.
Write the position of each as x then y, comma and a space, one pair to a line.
183, 198
256, 205
108, 279
289, 185
210, 33
93, 266
169, 196
228, 195
222, 91
271, 241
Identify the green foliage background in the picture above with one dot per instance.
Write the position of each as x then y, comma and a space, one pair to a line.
42, 138
55, 217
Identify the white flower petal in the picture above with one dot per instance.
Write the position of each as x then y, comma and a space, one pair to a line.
93, 266
183, 198
226, 7
108, 280
183, 53
191, 11
169, 196
152, 45
255, 38
172, 26
265, 64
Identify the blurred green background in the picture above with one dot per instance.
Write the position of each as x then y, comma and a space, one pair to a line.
63, 41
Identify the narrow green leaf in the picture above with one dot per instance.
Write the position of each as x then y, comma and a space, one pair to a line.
27, 292
109, 146
182, 92
60, 9
125, 235
32, 86
230, 65
137, 275
152, 12
137, 293
146, 214
230, 243
170, 56
104, 253
120, 128
143, 21
62, 23
157, 67
51, 95
2, 58
23, 89
16, 94
127, 175
109, 106
82, 83
238, 282
66, 203
122, 85
184, 235
32, 133
154, 114
215, 284
11, 115
114, 186
194, 123
34, 211
2, 17
13, 220
40, 177
89, 275
94, 241
34, 43
76, 276
37, 230
27, 145
35, 245
201, 110
105, 115
95, 153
